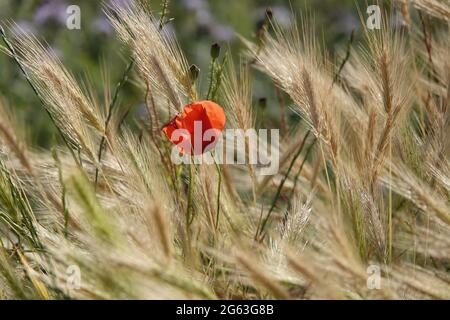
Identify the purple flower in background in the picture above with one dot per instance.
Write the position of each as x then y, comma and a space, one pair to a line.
194, 5
142, 111
51, 10
204, 18
346, 21
283, 15
102, 25
222, 33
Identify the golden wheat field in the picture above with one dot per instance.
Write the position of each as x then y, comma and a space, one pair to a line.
357, 208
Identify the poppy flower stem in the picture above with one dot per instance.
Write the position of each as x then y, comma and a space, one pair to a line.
189, 204
63, 192
219, 185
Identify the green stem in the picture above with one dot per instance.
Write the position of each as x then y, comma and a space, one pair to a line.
280, 187
347, 56
189, 204
308, 151
162, 20
119, 87
63, 193
218, 193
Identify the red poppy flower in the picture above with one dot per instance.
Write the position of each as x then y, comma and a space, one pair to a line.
197, 129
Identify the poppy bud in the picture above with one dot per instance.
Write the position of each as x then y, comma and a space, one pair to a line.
194, 72
215, 50
269, 13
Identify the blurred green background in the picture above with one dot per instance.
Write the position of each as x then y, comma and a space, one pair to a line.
198, 23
